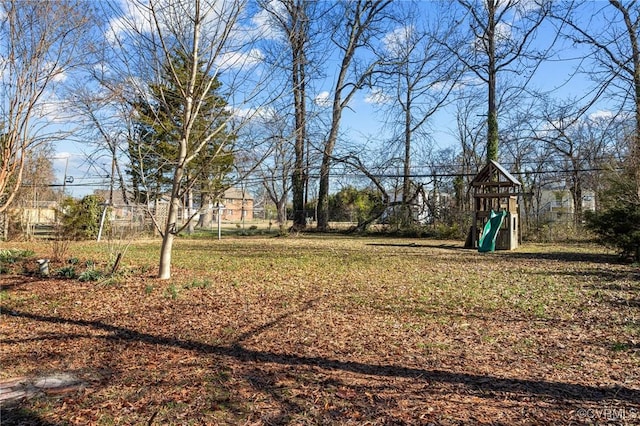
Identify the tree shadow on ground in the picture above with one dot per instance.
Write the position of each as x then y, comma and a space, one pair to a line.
416, 245
17, 281
18, 416
607, 279
484, 384
557, 256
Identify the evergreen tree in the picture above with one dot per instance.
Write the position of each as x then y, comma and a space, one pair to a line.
81, 219
617, 221
153, 145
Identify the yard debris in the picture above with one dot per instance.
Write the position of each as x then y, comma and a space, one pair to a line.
18, 388
294, 331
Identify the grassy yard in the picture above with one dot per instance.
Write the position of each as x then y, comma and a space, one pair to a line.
326, 330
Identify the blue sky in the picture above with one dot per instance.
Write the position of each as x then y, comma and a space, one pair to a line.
361, 121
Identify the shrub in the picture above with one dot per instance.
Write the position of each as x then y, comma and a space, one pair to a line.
81, 219
67, 272
11, 257
90, 275
617, 222
618, 227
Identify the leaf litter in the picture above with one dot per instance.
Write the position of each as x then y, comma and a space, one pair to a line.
332, 331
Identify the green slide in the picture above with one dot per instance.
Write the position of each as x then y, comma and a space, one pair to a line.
490, 232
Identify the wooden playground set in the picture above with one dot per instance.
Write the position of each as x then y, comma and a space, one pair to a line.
496, 224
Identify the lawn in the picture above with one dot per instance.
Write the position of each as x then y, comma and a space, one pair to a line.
316, 330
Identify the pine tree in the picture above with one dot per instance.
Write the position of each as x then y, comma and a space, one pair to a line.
153, 146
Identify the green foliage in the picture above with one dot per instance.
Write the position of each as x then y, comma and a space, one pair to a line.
90, 274
9, 257
618, 227
617, 222
171, 292
198, 283
353, 205
154, 148
450, 232
81, 219
67, 272
13, 255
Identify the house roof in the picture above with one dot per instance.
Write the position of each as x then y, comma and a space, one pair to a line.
494, 172
237, 194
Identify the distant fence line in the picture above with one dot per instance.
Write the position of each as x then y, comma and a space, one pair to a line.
40, 220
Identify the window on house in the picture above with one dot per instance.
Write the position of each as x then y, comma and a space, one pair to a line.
558, 200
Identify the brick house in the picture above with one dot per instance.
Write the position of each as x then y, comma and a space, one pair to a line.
238, 205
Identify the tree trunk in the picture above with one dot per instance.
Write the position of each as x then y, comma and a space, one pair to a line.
492, 113
281, 211
298, 39
191, 226
407, 216
576, 193
165, 256
206, 216
635, 57
364, 14
323, 195
164, 271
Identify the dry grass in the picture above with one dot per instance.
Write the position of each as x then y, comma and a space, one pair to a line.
318, 330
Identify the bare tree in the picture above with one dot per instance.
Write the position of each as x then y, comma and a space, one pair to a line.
600, 134
41, 43
183, 46
468, 132
562, 130
37, 189
501, 40
103, 114
374, 168
355, 25
417, 75
616, 55
294, 18
526, 157
276, 170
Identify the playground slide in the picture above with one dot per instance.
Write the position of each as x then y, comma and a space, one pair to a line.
490, 232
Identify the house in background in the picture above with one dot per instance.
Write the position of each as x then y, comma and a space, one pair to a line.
238, 205
556, 205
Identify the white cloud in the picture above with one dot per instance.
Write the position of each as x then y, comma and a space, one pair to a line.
262, 22
134, 17
238, 59
503, 31
62, 156
243, 114
601, 115
53, 109
525, 7
57, 74
323, 99
378, 97
396, 40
